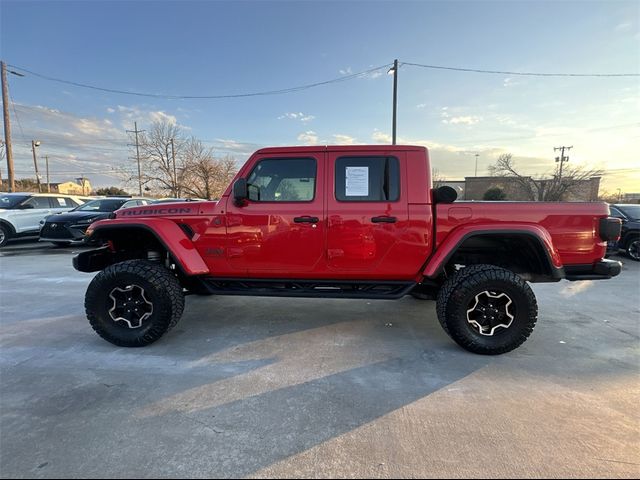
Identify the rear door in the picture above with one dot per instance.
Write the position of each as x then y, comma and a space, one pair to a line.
62, 204
280, 230
366, 213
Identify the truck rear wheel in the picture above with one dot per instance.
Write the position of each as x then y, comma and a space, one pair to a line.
487, 309
134, 303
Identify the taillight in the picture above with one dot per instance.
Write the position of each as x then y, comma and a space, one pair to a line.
610, 229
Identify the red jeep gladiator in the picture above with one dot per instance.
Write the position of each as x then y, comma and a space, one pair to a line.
343, 222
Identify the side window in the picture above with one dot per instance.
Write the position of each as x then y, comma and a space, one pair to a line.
283, 180
39, 202
367, 179
130, 203
61, 202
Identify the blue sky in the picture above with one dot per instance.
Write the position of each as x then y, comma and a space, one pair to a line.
209, 48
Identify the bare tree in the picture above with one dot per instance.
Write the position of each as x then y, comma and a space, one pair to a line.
552, 189
157, 157
204, 175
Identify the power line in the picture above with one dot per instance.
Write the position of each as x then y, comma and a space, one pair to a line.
202, 97
15, 113
527, 74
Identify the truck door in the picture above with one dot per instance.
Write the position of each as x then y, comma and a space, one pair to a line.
367, 214
280, 231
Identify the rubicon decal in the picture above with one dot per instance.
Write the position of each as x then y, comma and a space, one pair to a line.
154, 211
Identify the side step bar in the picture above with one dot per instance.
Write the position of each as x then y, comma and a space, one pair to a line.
307, 288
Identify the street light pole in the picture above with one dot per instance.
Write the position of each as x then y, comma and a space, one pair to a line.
476, 173
46, 158
35, 144
394, 70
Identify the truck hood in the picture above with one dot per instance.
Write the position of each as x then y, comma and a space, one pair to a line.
181, 209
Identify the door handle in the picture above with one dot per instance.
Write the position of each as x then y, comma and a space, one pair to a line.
384, 219
306, 219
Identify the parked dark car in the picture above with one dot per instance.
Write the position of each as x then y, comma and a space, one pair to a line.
65, 228
630, 236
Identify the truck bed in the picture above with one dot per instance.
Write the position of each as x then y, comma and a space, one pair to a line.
574, 227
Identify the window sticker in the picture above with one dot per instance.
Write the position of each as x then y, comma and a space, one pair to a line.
61, 202
357, 181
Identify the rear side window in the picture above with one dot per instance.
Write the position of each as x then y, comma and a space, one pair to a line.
61, 202
283, 180
39, 202
367, 179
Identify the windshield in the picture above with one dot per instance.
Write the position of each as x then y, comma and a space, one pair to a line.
101, 206
631, 211
11, 201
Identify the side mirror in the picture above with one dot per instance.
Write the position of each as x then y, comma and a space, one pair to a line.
445, 194
240, 193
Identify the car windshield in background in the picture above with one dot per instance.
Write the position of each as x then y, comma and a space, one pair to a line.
101, 206
631, 211
11, 201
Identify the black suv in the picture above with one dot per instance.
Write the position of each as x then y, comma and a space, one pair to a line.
64, 228
630, 236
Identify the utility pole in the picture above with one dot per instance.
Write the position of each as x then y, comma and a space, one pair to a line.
561, 159
46, 157
7, 127
175, 175
394, 70
136, 131
476, 173
35, 144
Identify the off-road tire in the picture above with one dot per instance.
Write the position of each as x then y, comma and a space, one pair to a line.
5, 234
449, 286
631, 248
454, 302
161, 288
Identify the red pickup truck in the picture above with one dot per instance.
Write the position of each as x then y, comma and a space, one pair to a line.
343, 222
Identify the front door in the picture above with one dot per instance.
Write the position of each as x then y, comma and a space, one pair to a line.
367, 214
280, 230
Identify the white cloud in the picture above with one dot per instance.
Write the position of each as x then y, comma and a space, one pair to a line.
421, 105
111, 110
462, 120
161, 116
380, 137
346, 71
309, 137
297, 116
623, 27
340, 139
130, 114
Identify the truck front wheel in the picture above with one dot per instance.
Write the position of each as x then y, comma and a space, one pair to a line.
134, 303
490, 310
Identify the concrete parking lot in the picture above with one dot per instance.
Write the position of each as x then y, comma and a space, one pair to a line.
263, 387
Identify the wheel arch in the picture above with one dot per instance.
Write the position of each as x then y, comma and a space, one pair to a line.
131, 239
8, 225
527, 250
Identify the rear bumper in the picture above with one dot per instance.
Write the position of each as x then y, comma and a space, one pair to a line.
601, 270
